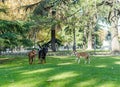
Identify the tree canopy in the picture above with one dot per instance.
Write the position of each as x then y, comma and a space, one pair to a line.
67, 15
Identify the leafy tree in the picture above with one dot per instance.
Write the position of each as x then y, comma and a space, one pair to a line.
75, 14
112, 15
47, 9
13, 34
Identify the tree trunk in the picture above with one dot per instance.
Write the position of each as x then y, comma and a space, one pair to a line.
53, 46
89, 44
115, 46
85, 38
74, 40
0, 50
34, 37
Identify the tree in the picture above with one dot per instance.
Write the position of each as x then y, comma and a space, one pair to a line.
112, 17
13, 34
50, 9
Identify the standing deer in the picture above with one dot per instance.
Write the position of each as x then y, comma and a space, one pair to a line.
84, 55
42, 54
31, 56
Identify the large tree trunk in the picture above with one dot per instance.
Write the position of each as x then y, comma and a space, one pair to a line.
115, 45
53, 46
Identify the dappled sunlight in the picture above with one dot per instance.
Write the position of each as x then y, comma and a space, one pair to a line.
65, 63
4, 59
60, 57
117, 62
102, 58
14, 68
37, 71
101, 66
61, 83
7, 66
30, 82
116, 58
85, 83
3, 66
61, 71
64, 75
110, 84
110, 57
21, 85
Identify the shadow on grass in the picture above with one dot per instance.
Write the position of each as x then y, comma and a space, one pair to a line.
61, 72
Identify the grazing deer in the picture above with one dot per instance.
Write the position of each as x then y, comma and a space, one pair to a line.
84, 55
31, 56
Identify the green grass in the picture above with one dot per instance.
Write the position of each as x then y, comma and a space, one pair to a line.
59, 71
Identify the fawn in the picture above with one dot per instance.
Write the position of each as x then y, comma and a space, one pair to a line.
31, 56
85, 55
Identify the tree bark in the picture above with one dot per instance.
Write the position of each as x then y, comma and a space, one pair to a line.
74, 40
115, 45
53, 46
90, 41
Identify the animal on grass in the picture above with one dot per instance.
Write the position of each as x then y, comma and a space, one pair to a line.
84, 55
42, 54
31, 56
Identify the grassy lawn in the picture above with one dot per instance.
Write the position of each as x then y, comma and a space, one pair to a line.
60, 71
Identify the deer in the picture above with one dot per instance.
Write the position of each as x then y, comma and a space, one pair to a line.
31, 56
84, 55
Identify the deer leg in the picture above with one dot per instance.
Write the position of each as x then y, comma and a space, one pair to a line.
89, 60
78, 60
43, 60
39, 60
85, 61
34, 60
29, 60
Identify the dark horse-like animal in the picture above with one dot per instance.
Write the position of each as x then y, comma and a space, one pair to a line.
31, 56
42, 53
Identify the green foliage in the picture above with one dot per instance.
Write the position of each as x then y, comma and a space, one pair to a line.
13, 33
68, 31
74, 14
26, 42
3, 10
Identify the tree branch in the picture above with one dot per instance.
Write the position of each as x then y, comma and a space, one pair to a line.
29, 6
3, 10
106, 2
72, 14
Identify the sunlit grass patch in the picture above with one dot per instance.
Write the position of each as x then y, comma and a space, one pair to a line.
118, 62
101, 66
108, 84
37, 71
64, 75
30, 82
65, 63
87, 83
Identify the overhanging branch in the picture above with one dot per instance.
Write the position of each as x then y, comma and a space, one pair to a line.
29, 6
106, 2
